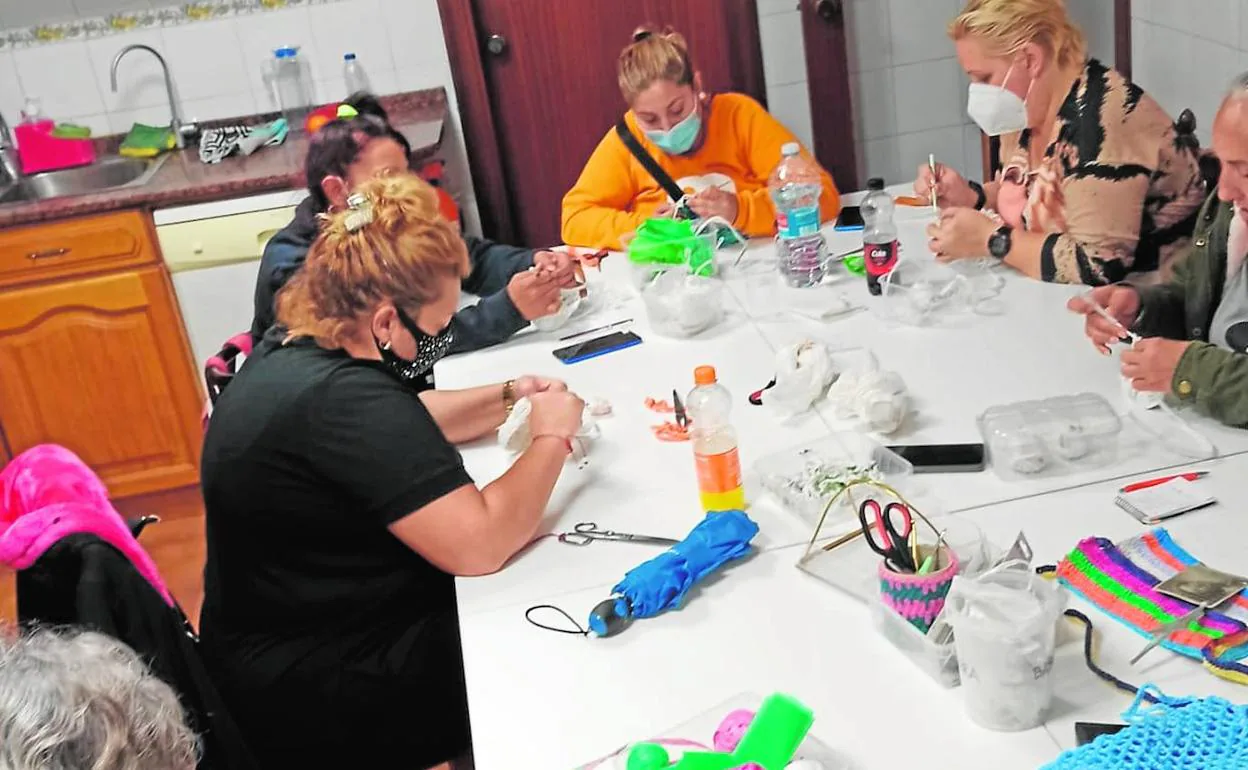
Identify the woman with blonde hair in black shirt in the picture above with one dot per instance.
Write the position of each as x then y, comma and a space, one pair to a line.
339, 511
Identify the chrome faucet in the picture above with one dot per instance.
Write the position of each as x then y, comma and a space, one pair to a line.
8, 154
180, 130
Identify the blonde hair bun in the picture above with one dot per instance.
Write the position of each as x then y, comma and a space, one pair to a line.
652, 56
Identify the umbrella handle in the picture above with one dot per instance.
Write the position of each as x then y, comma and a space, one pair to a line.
609, 617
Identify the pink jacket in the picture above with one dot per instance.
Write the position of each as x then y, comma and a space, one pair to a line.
47, 493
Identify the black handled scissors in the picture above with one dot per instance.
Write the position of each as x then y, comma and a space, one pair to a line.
587, 532
883, 534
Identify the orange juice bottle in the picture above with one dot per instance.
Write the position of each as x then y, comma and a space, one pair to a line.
714, 443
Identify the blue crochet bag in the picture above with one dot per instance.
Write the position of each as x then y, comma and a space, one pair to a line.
1170, 734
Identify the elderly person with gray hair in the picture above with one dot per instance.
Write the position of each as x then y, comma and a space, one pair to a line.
1194, 328
84, 701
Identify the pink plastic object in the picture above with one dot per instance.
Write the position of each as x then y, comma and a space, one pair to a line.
39, 151
730, 730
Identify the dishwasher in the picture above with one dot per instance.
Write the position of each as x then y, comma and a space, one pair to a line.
213, 253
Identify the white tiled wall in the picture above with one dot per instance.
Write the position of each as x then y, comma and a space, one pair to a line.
784, 66
908, 91
1187, 53
218, 67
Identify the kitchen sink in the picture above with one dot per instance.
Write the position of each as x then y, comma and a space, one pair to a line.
110, 173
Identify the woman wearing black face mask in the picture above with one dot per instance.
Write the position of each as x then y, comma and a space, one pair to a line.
338, 511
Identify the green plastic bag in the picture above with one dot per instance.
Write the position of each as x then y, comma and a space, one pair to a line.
672, 242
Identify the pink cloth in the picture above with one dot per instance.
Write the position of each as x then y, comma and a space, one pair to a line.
48, 493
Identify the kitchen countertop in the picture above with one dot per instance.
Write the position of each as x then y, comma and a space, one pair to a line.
183, 179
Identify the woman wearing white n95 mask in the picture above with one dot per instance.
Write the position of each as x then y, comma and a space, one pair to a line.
1094, 183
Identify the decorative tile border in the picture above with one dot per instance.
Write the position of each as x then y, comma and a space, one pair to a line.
83, 29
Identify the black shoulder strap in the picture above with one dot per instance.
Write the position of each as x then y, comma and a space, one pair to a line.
651, 165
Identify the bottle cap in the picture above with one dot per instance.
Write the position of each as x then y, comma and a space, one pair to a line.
286, 52
875, 183
349, 57
704, 375
790, 148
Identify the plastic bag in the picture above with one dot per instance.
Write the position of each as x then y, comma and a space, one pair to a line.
514, 435
877, 398
803, 373
1005, 630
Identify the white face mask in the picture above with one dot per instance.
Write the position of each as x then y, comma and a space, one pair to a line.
996, 109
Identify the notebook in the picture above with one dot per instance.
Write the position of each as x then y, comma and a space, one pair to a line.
1164, 501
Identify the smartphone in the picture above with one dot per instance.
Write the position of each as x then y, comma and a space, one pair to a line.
1086, 732
598, 346
850, 219
943, 458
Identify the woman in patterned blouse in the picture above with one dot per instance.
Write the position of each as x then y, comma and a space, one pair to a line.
1096, 181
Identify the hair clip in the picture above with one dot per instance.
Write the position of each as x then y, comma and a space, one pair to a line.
347, 112
361, 212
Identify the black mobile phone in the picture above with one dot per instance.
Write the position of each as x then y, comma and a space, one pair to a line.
850, 218
1086, 732
943, 458
598, 346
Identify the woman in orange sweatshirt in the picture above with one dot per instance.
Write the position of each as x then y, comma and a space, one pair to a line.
720, 149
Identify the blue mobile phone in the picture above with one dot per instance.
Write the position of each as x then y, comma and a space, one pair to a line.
598, 346
850, 219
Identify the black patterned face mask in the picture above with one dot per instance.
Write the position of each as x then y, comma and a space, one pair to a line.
429, 350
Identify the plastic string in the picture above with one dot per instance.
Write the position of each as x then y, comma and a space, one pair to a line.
579, 629
741, 239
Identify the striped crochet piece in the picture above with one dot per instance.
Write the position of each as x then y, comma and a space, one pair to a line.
918, 598
1121, 581
1173, 734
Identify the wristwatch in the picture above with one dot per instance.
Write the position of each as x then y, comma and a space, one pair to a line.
509, 395
999, 242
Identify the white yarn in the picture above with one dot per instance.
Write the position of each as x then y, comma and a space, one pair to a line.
876, 397
515, 436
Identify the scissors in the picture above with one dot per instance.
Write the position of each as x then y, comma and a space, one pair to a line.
885, 537
587, 532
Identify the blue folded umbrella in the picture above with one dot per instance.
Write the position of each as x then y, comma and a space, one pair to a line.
663, 582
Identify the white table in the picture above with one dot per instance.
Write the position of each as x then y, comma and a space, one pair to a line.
542, 700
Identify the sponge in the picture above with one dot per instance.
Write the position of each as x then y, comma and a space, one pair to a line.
146, 141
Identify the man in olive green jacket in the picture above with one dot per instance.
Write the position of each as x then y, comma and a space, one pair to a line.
1194, 328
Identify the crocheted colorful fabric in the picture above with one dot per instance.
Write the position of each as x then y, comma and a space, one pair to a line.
1173, 734
918, 598
1121, 581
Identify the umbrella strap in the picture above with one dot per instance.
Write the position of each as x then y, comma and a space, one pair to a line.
576, 630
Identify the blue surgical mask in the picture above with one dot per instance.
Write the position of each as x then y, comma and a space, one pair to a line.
679, 139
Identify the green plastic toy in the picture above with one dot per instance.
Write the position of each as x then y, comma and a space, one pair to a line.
770, 742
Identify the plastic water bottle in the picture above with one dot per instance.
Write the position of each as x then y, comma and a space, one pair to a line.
879, 234
795, 187
354, 75
714, 443
291, 86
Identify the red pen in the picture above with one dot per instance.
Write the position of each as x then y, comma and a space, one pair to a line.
1154, 482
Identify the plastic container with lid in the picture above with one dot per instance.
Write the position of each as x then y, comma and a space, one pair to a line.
674, 270
1038, 439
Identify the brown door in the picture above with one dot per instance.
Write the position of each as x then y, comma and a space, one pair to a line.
537, 89
100, 365
831, 106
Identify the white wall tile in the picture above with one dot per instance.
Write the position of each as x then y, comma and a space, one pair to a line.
1143, 9
259, 36
868, 35
11, 96
237, 105
927, 96
204, 59
60, 75
1216, 20
90, 8
784, 54
972, 150
140, 81
1096, 19
425, 76
27, 13
881, 159
122, 121
415, 32
917, 29
947, 144
1243, 28
790, 104
875, 108
98, 124
773, 7
348, 27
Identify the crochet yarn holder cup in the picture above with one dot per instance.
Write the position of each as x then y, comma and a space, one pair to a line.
1004, 629
919, 598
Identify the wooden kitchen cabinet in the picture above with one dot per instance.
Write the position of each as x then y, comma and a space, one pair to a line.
93, 354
